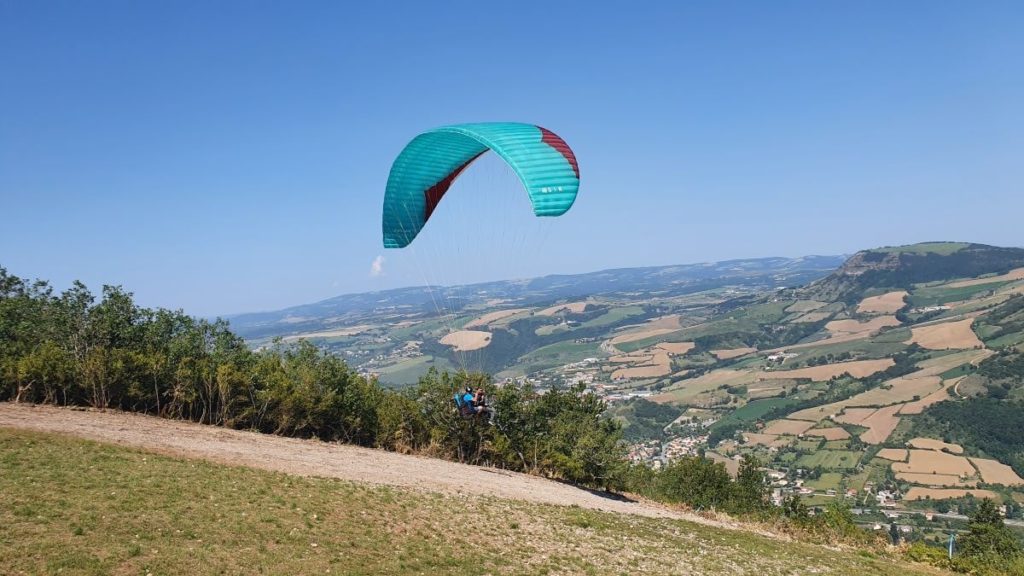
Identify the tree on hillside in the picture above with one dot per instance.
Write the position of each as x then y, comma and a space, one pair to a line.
989, 535
749, 491
697, 482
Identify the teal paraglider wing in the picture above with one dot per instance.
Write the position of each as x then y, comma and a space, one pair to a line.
429, 164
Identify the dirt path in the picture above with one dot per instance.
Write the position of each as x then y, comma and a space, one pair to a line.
315, 458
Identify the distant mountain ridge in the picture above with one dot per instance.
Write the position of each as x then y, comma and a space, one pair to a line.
772, 272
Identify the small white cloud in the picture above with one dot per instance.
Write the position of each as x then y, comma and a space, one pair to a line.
377, 267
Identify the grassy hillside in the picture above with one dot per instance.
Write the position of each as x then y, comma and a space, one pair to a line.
75, 507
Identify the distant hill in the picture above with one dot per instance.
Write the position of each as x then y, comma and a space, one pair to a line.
656, 281
901, 267
902, 371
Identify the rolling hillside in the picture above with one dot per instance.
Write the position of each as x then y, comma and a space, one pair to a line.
530, 325
895, 379
896, 382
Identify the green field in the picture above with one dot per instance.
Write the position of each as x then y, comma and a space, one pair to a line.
937, 295
552, 355
409, 370
81, 508
638, 344
427, 326
892, 336
830, 459
810, 444
564, 351
1006, 340
756, 410
828, 480
861, 349
549, 329
612, 316
742, 320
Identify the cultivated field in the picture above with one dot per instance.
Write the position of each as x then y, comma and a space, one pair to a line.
659, 365
940, 480
465, 340
768, 440
888, 303
895, 391
651, 363
670, 321
351, 331
940, 395
641, 335
804, 306
835, 433
880, 424
676, 348
732, 353
763, 390
932, 462
894, 454
857, 369
918, 493
494, 316
638, 372
573, 307
935, 366
830, 459
843, 331
731, 466
790, 427
853, 327
902, 389
994, 472
632, 358
854, 415
933, 444
947, 335
686, 389
812, 317
1010, 276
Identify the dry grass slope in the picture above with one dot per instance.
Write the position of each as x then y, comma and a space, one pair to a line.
933, 444
493, 317
196, 517
732, 353
932, 462
573, 307
917, 493
995, 472
956, 335
857, 369
888, 303
1017, 274
465, 340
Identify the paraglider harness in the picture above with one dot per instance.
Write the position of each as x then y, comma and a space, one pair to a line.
465, 409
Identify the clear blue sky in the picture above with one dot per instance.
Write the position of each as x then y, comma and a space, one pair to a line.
231, 156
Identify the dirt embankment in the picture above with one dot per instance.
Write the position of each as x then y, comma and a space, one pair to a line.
315, 458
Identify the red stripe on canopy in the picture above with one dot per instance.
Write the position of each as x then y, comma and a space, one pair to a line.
551, 139
434, 194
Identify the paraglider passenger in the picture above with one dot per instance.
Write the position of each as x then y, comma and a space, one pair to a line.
480, 404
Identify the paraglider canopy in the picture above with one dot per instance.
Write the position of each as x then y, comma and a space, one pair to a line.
428, 165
